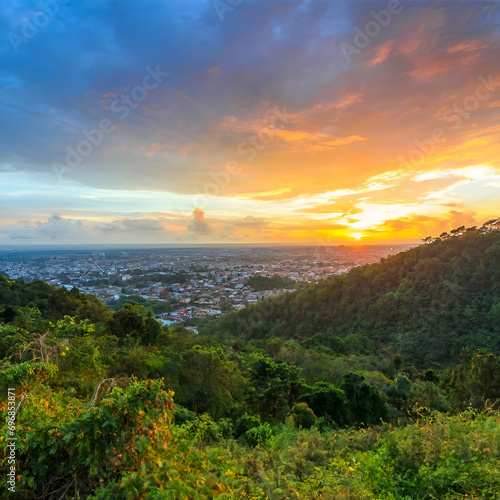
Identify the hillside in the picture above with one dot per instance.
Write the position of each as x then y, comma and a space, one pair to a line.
52, 302
305, 397
429, 302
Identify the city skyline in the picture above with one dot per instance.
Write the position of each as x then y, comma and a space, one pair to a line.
247, 122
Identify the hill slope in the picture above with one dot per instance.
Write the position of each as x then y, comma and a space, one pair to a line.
272, 419
52, 302
429, 302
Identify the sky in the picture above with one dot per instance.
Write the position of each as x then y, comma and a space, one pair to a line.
247, 121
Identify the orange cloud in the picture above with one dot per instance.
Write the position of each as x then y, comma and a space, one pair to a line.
382, 53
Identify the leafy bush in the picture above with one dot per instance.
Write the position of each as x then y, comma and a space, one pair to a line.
259, 435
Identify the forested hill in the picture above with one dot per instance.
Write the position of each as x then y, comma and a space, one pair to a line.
429, 302
50, 302
120, 407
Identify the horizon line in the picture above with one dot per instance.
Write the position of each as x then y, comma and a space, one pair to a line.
200, 245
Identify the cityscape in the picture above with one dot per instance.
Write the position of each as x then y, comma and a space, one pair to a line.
182, 284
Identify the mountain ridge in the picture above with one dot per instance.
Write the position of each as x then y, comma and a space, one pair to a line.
430, 302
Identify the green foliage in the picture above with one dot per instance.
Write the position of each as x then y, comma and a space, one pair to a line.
12, 340
443, 459
430, 395
259, 435
27, 374
226, 306
54, 303
365, 405
260, 283
276, 386
68, 327
204, 428
132, 319
430, 302
246, 422
327, 401
75, 443
303, 416
155, 306
287, 399
210, 381
475, 380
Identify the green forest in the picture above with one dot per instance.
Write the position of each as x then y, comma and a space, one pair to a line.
382, 383
259, 283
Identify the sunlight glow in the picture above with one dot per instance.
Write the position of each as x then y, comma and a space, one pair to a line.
356, 236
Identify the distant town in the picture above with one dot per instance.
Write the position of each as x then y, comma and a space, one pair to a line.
182, 284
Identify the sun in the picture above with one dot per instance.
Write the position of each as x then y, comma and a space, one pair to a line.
356, 236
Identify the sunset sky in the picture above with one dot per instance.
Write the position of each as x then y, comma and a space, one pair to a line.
247, 121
